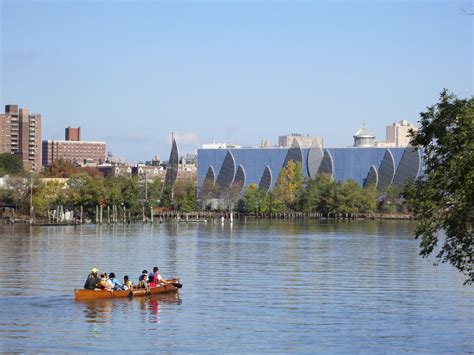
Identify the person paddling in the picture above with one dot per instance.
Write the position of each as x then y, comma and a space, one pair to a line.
156, 278
92, 280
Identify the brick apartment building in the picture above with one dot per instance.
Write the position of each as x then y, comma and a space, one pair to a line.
73, 149
73, 134
20, 133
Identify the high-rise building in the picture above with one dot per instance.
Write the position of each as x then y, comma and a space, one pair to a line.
20, 133
5, 133
303, 141
398, 133
74, 150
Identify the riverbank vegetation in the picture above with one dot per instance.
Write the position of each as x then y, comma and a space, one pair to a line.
64, 184
324, 196
72, 187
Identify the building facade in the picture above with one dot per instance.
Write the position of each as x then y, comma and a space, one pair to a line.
113, 170
73, 134
398, 133
303, 141
220, 169
20, 133
79, 152
84, 153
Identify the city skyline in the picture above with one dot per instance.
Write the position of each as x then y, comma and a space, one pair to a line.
130, 74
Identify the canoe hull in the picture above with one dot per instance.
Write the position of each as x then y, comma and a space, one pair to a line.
84, 295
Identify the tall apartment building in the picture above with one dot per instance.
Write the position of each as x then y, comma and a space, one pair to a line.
73, 149
303, 141
20, 133
397, 133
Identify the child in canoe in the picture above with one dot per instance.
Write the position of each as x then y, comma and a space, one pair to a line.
143, 280
127, 284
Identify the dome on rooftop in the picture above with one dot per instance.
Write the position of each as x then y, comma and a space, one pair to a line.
364, 132
364, 138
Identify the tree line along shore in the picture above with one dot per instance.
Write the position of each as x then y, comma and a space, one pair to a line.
84, 195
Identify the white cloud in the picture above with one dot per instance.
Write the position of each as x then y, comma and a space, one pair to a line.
182, 138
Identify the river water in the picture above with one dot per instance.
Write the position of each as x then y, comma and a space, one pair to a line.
254, 286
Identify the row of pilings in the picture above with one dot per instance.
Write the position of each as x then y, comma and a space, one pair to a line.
120, 215
202, 215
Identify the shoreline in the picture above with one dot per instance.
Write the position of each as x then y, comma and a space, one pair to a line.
196, 217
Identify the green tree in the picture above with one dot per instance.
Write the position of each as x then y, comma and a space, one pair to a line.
443, 199
154, 192
289, 184
275, 204
310, 198
325, 196
10, 164
185, 195
347, 196
367, 200
166, 199
255, 200
113, 190
16, 192
129, 188
48, 195
319, 195
81, 190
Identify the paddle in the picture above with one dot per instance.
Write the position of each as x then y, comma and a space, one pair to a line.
175, 284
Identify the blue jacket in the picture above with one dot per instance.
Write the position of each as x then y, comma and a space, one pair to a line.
116, 282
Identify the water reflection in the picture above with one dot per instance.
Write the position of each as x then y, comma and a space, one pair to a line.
106, 310
98, 311
296, 286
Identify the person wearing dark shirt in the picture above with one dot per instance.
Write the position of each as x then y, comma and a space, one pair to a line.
92, 280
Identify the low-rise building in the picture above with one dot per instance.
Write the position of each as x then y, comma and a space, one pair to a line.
109, 170
150, 172
74, 150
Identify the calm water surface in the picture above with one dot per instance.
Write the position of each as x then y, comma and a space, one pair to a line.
248, 287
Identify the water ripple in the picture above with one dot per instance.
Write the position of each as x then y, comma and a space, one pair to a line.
248, 287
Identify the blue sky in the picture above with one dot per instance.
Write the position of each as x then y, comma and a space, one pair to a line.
130, 73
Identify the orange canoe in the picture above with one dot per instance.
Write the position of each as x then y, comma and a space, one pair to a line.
84, 295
